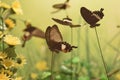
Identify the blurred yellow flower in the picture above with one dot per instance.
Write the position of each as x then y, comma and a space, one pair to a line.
21, 60
4, 76
16, 7
8, 72
8, 63
117, 76
3, 55
18, 78
42, 65
11, 40
9, 23
4, 5
33, 75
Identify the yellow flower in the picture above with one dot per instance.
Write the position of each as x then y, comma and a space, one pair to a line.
8, 63
33, 75
3, 55
11, 40
8, 72
16, 7
117, 76
4, 76
18, 78
9, 23
20, 61
42, 65
4, 5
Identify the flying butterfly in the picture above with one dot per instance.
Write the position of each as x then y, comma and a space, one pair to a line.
66, 21
30, 31
92, 17
55, 41
61, 6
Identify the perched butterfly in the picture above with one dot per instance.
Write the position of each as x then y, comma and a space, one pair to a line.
92, 17
55, 41
66, 21
61, 6
30, 31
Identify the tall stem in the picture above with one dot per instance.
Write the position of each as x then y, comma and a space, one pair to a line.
101, 54
3, 34
52, 66
88, 53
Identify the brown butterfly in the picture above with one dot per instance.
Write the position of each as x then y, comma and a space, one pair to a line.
61, 6
55, 41
66, 21
91, 17
30, 31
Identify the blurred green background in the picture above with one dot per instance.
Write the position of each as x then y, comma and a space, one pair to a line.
38, 12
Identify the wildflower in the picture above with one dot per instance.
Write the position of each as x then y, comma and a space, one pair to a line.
16, 7
8, 63
117, 76
18, 78
3, 55
33, 75
20, 61
10, 23
4, 5
11, 40
4, 76
8, 72
42, 65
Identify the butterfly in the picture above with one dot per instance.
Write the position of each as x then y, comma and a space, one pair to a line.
92, 17
55, 41
30, 31
61, 6
66, 21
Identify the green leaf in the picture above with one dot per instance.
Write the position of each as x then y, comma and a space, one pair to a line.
75, 60
45, 75
10, 51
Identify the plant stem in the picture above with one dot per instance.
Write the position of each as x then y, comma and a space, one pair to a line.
101, 54
52, 66
88, 53
3, 34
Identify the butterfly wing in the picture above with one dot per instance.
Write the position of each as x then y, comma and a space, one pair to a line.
88, 16
53, 37
59, 6
38, 33
61, 21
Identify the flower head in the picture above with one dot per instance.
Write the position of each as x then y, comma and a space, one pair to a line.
11, 40
4, 5
4, 76
8, 63
16, 7
10, 23
33, 75
3, 55
42, 65
20, 61
117, 76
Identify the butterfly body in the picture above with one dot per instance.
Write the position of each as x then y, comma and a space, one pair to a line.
31, 31
55, 41
91, 17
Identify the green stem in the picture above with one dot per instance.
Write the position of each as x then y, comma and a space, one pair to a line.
52, 66
88, 53
101, 54
3, 34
